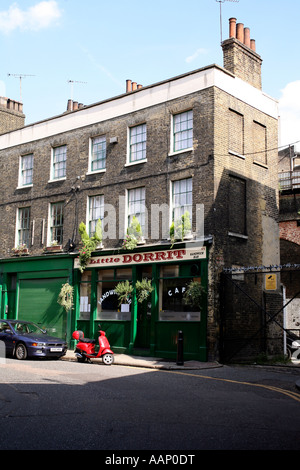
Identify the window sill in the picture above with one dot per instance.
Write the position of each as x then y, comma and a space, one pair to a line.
95, 171
25, 186
136, 162
263, 165
178, 152
57, 179
235, 154
238, 235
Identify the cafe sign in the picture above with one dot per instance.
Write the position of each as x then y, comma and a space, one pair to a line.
186, 254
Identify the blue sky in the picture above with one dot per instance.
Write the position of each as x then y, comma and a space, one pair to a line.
100, 44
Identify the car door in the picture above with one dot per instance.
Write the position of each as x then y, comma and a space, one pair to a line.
6, 338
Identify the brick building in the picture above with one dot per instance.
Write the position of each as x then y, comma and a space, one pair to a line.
289, 224
200, 143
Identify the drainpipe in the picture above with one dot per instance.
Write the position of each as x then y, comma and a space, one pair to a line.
284, 318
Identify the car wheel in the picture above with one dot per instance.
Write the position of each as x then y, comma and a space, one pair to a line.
108, 359
21, 351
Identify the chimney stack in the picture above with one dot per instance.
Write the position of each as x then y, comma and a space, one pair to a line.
239, 54
132, 86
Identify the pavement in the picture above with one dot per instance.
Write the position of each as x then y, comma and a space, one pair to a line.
150, 362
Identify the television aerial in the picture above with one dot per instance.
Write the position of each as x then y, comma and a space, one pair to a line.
220, 2
20, 76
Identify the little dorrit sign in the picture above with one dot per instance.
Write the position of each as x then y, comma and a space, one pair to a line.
186, 254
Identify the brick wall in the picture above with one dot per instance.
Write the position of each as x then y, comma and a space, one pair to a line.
290, 231
11, 115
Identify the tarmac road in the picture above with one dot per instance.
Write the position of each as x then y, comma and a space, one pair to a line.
57, 405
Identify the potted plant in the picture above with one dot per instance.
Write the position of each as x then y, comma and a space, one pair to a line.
90, 244
20, 250
180, 229
124, 291
54, 247
134, 235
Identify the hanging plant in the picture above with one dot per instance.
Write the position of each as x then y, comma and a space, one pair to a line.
89, 244
124, 292
143, 289
193, 295
65, 297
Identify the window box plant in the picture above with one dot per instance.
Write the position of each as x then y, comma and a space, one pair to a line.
20, 250
54, 247
181, 229
134, 235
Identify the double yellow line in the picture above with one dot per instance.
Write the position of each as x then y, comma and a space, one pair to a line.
290, 394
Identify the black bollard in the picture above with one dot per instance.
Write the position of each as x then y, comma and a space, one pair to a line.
179, 361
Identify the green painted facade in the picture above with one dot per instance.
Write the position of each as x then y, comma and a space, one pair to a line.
29, 288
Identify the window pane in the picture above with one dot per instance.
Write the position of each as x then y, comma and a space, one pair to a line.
26, 169
24, 226
98, 153
138, 143
182, 201
59, 162
108, 307
85, 295
136, 206
96, 212
183, 130
171, 294
57, 221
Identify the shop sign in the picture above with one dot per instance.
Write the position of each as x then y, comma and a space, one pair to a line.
186, 254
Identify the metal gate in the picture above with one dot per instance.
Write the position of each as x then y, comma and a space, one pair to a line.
253, 310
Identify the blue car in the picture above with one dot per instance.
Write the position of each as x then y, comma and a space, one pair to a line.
22, 339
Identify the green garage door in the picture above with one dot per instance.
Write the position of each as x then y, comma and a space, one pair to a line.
38, 303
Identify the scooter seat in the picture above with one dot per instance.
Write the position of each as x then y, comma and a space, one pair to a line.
88, 340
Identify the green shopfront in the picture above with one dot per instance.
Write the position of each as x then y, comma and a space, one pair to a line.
29, 289
30, 285
151, 327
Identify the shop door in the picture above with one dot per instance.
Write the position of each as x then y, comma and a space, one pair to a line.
38, 303
143, 325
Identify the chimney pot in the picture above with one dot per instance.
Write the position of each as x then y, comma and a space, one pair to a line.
128, 86
240, 32
247, 37
134, 86
232, 27
252, 45
140, 86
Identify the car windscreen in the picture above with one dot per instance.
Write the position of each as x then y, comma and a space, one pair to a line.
26, 328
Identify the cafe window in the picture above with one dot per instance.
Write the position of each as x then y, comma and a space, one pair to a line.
108, 307
85, 295
171, 294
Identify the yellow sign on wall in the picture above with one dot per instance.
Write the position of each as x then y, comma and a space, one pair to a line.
270, 281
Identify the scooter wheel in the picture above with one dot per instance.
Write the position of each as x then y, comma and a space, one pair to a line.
81, 359
108, 359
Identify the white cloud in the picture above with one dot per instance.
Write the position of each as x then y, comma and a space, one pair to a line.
289, 112
40, 16
196, 54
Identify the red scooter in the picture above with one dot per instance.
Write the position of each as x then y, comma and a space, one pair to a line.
86, 348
